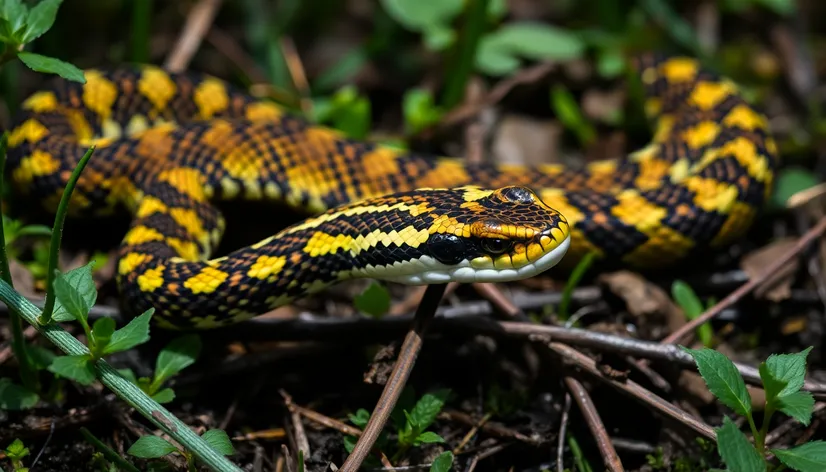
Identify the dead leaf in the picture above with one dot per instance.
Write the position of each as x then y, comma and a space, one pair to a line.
525, 141
776, 287
22, 279
644, 299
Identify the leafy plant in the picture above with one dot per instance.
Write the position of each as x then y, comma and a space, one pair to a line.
16, 451
154, 447
782, 376
410, 418
20, 25
374, 300
692, 306
175, 357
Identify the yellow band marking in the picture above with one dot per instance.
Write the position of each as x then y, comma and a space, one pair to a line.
266, 266
206, 281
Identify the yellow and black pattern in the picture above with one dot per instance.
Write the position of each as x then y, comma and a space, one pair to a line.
169, 144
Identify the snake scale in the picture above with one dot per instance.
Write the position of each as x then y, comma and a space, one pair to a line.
167, 145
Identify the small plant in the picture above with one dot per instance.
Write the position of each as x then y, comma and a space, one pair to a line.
20, 25
175, 357
443, 462
692, 306
154, 447
75, 294
16, 451
782, 376
410, 418
374, 300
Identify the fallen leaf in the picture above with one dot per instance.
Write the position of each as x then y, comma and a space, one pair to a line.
778, 286
526, 141
644, 299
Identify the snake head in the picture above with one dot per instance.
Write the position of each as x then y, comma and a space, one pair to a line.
479, 235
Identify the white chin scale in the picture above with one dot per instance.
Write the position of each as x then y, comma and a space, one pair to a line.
431, 271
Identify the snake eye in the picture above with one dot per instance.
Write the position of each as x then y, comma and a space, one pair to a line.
446, 248
517, 194
496, 246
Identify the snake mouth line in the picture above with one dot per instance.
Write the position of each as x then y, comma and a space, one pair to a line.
434, 271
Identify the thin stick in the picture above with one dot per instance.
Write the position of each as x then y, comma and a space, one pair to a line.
591, 415
634, 390
401, 371
649, 350
749, 286
197, 24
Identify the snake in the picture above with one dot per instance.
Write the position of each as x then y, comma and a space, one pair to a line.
169, 145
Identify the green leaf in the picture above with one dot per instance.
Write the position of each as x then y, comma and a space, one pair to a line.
443, 463
374, 300
40, 19
791, 180
781, 7
428, 407
70, 298
102, 331
771, 384
798, 405
567, 110
723, 379
495, 61
17, 450
500, 49
685, 297
219, 440
79, 368
417, 15
34, 230
40, 356
438, 37
80, 279
14, 12
736, 450
361, 418
349, 443
164, 396
809, 457
610, 63
16, 397
134, 333
176, 356
429, 437
50, 65
420, 110
790, 368
151, 447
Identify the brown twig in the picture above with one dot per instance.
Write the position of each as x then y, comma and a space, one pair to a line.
395, 383
490, 428
745, 289
592, 418
632, 389
483, 455
634, 347
563, 427
299, 77
302, 444
225, 44
497, 93
474, 428
197, 24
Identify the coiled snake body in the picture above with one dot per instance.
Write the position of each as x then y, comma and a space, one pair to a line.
169, 144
